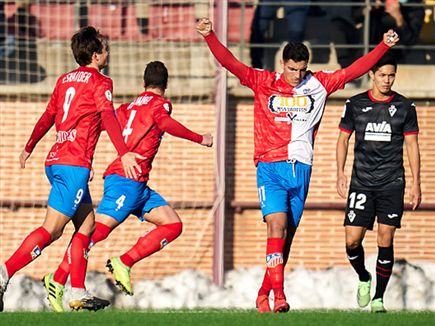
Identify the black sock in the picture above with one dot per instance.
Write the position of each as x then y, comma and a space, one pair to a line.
384, 268
356, 259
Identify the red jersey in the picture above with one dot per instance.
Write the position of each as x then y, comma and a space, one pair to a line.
76, 104
286, 118
144, 122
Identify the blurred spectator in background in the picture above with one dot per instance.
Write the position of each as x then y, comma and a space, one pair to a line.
19, 57
407, 21
267, 28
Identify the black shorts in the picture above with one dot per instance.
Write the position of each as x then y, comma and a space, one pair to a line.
364, 205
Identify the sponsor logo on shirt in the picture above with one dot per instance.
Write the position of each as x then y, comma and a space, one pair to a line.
63, 136
378, 131
367, 109
295, 108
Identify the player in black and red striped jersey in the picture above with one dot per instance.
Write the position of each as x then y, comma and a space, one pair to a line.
382, 121
80, 103
144, 121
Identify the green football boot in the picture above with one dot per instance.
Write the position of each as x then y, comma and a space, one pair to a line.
121, 273
54, 292
363, 293
378, 306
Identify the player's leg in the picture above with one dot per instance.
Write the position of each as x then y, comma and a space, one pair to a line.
389, 204
167, 227
359, 218
80, 297
57, 216
274, 205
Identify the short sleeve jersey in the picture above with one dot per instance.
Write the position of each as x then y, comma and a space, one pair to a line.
77, 101
286, 118
141, 133
380, 128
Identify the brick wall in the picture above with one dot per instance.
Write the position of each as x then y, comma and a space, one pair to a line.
183, 173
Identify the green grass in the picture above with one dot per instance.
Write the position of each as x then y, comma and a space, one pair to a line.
216, 317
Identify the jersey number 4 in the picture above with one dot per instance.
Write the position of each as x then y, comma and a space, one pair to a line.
128, 130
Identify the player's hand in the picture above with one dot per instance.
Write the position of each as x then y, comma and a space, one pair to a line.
342, 185
131, 166
204, 26
23, 158
415, 196
391, 38
207, 140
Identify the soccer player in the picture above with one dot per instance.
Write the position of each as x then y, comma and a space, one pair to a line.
381, 119
81, 101
144, 121
288, 107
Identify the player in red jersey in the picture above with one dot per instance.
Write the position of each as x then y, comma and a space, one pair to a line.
144, 121
288, 107
81, 101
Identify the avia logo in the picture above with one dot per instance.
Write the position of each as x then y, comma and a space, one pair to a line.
383, 127
367, 109
392, 215
392, 109
351, 215
383, 262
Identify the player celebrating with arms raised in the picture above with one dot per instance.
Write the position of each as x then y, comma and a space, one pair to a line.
143, 121
288, 107
81, 101
382, 119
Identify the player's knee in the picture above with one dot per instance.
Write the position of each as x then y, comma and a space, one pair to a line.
385, 240
353, 243
55, 234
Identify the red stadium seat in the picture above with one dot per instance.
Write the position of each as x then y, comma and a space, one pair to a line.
57, 21
235, 16
108, 18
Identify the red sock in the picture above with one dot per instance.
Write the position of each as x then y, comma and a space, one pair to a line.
79, 260
275, 265
101, 232
30, 248
266, 286
154, 240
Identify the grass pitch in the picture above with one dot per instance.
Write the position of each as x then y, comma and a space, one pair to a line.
217, 317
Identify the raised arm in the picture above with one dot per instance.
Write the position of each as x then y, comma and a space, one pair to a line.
174, 128
365, 63
220, 52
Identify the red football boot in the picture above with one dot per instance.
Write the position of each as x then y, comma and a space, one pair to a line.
281, 304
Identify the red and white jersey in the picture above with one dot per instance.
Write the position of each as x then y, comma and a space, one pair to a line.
77, 101
139, 121
286, 118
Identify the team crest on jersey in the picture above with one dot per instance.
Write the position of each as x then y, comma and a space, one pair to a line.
392, 109
108, 94
35, 252
351, 216
378, 131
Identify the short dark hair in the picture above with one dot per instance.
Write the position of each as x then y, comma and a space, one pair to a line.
385, 60
156, 75
295, 51
86, 42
